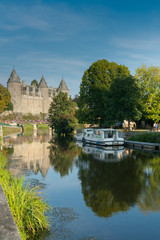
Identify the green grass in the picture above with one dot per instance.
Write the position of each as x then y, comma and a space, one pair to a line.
27, 205
153, 137
43, 127
28, 127
10, 130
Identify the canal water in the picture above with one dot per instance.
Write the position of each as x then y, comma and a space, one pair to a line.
98, 194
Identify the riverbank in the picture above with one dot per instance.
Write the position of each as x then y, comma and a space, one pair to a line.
8, 228
150, 137
11, 130
26, 204
27, 127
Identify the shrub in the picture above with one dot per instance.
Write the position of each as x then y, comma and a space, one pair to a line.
146, 137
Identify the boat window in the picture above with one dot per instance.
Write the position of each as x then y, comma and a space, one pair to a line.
110, 134
97, 132
89, 131
105, 134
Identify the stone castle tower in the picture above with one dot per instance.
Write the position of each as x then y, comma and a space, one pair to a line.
30, 98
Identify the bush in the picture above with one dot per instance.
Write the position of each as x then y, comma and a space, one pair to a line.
146, 137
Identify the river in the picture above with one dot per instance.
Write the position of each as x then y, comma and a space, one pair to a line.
98, 194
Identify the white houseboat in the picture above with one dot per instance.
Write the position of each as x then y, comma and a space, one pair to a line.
81, 133
104, 137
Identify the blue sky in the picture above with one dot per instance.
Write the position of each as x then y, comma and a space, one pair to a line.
63, 38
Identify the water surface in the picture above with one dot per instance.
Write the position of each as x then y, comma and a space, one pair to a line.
110, 194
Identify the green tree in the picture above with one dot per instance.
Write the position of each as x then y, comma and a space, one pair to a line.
149, 82
122, 100
34, 82
95, 83
5, 99
10, 106
62, 114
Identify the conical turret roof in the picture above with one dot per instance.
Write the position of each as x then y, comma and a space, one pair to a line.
14, 77
43, 83
62, 85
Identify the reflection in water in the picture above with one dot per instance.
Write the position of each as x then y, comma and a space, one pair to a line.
38, 153
63, 152
29, 153
111, 185
112, 180
149, 200
108, 154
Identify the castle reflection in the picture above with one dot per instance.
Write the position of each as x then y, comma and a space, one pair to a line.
28, 153
38, 153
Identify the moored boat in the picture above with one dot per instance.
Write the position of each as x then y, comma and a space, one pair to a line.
81, 133
104, 137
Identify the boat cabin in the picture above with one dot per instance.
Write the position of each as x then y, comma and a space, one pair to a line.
106, 133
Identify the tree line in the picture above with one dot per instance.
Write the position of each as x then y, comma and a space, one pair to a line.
108, 93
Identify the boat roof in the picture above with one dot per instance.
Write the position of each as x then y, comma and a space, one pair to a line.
98, 129
106, 129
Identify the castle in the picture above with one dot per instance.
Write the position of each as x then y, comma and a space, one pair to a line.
32, 98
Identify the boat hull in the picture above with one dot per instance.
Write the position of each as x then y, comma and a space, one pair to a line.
104, 142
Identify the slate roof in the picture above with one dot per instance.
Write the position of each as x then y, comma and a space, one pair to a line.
14, 77
43, 83
63, 85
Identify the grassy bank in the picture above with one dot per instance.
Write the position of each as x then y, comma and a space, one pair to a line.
28, 127
43, 127
152, 137
10, 130
27, 205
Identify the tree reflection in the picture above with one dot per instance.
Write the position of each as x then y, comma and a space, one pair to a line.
112, 187
149, 200
62, 154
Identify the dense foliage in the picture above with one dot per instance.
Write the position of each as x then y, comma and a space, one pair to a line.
95, 85
148, 80
122, 100
5, 99
62, 114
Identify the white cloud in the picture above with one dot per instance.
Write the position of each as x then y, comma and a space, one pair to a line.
136, 43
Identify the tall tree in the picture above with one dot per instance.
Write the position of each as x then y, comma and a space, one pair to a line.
62, 114
5, 99
123, 100
95, 83
149, 83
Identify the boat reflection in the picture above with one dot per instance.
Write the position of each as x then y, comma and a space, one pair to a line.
107, 154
